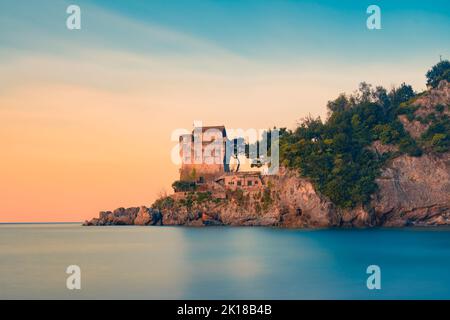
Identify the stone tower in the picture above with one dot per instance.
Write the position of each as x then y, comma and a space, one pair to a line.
203, 154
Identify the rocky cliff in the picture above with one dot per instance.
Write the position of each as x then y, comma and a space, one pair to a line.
411, 191
131, 216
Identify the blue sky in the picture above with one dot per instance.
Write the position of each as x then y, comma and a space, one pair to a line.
270, 29
299, 29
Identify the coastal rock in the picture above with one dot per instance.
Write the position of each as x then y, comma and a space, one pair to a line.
297, 204
120, 216
359, 217
123, 216
414, 190
93, 222
156, 218
144, 217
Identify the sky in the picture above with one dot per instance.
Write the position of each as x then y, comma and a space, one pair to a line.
87, 115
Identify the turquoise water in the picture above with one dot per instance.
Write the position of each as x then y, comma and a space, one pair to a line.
222, 263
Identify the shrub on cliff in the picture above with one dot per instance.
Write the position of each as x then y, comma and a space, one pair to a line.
164, 202
437, 136
266, 198
203, 196
184, 186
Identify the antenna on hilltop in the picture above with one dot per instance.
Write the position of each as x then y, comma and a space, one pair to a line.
440, 58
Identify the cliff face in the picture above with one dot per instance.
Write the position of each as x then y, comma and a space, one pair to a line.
412, 191
427, 105
416, 190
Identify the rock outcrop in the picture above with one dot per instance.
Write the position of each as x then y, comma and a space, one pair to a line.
414, 190
426, 105
120, 216
144, 217
131, 216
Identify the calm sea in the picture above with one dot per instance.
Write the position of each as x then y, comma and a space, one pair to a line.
221, 263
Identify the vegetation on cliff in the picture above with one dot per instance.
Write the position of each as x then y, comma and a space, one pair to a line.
335, 154
439, 72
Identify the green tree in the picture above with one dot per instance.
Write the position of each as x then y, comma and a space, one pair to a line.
401, 94
340, 104
440, 71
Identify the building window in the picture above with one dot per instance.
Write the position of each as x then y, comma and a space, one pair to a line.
249, 183
239, 183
